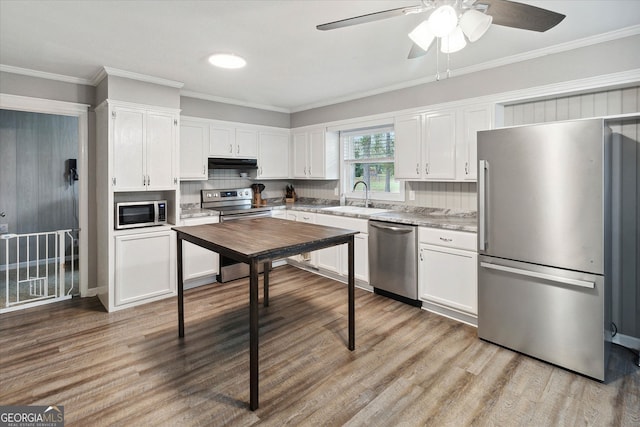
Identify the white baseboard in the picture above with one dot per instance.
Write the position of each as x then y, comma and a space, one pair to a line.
450, 313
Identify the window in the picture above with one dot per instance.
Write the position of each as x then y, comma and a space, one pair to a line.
369, 157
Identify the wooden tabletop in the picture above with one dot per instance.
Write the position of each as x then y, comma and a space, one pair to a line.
262, 238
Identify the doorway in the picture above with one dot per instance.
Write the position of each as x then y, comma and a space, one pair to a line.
43, 209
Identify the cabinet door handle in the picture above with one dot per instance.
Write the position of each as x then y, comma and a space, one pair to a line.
231, 148
421, 257
444, 239
466, 168
426, 169
204, 169
237, 149
175, 180
417, 168
113, 181
144, 180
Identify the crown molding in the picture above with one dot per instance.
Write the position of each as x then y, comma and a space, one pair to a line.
105, 71
563, 47
41, 105
198, 95
109, 71
45, 75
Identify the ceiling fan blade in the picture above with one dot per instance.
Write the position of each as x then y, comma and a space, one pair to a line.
370, 17
519, 15
416, 52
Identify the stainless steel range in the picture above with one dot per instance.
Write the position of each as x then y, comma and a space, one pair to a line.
233, 204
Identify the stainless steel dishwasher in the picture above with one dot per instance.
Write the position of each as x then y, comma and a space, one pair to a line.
393, 260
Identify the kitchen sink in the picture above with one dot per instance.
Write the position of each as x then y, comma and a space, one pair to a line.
357, 210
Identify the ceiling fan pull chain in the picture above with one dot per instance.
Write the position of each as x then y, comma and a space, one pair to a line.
438, 59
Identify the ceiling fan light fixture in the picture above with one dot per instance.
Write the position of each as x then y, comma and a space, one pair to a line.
474, 24
443, 21
453, 42
422, 36
227, 60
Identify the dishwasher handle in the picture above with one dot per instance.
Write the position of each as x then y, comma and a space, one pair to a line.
395, 229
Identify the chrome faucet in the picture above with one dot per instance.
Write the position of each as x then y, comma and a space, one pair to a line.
366, 192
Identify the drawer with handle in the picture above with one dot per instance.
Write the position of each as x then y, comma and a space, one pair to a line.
448, 238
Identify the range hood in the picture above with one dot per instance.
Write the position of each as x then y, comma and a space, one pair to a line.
232, 163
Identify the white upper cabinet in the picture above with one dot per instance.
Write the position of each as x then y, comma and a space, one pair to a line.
144, 149
425, 146
316, 154
473, 119
273, 155
222, 140
194, 148
246, 143
439, 145
408, 162
300, 154
232, 141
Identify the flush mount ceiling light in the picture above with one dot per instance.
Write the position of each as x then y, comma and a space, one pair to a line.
227, 60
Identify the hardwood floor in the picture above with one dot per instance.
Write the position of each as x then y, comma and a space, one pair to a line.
410, 367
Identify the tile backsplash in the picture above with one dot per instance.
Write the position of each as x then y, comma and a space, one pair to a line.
227, 178
445, 195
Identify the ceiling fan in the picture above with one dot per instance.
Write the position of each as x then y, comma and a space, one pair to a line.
449, 21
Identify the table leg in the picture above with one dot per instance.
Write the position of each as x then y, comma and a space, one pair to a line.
180, 289
352, 310
253, 334
265, 280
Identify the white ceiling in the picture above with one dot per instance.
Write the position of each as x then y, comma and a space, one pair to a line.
291, 65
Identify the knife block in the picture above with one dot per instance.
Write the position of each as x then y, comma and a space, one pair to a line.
257, 199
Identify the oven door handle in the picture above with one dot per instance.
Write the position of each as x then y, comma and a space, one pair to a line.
240, 216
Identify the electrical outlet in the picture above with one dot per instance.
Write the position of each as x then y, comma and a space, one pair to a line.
412, 195
336, 191
4, 228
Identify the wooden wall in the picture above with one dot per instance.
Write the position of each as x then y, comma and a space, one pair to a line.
626, 158
34, 189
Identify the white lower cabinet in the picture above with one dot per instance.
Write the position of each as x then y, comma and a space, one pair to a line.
336, 258
308, 258
145, 266
199, 264
447, 272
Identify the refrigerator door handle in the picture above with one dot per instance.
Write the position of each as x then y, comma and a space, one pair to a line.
551, 277
483, 167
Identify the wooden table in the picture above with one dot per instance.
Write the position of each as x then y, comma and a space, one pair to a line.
263, 240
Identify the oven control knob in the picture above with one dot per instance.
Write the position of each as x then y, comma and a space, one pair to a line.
208, 195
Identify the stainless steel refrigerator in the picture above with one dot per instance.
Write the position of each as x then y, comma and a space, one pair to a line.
544, 242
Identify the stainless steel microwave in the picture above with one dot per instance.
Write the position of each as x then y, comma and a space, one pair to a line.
140, 214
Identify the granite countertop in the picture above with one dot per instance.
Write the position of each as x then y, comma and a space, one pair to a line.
196, 212
449, 219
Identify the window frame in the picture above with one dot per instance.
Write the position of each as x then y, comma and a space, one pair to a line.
345, 174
